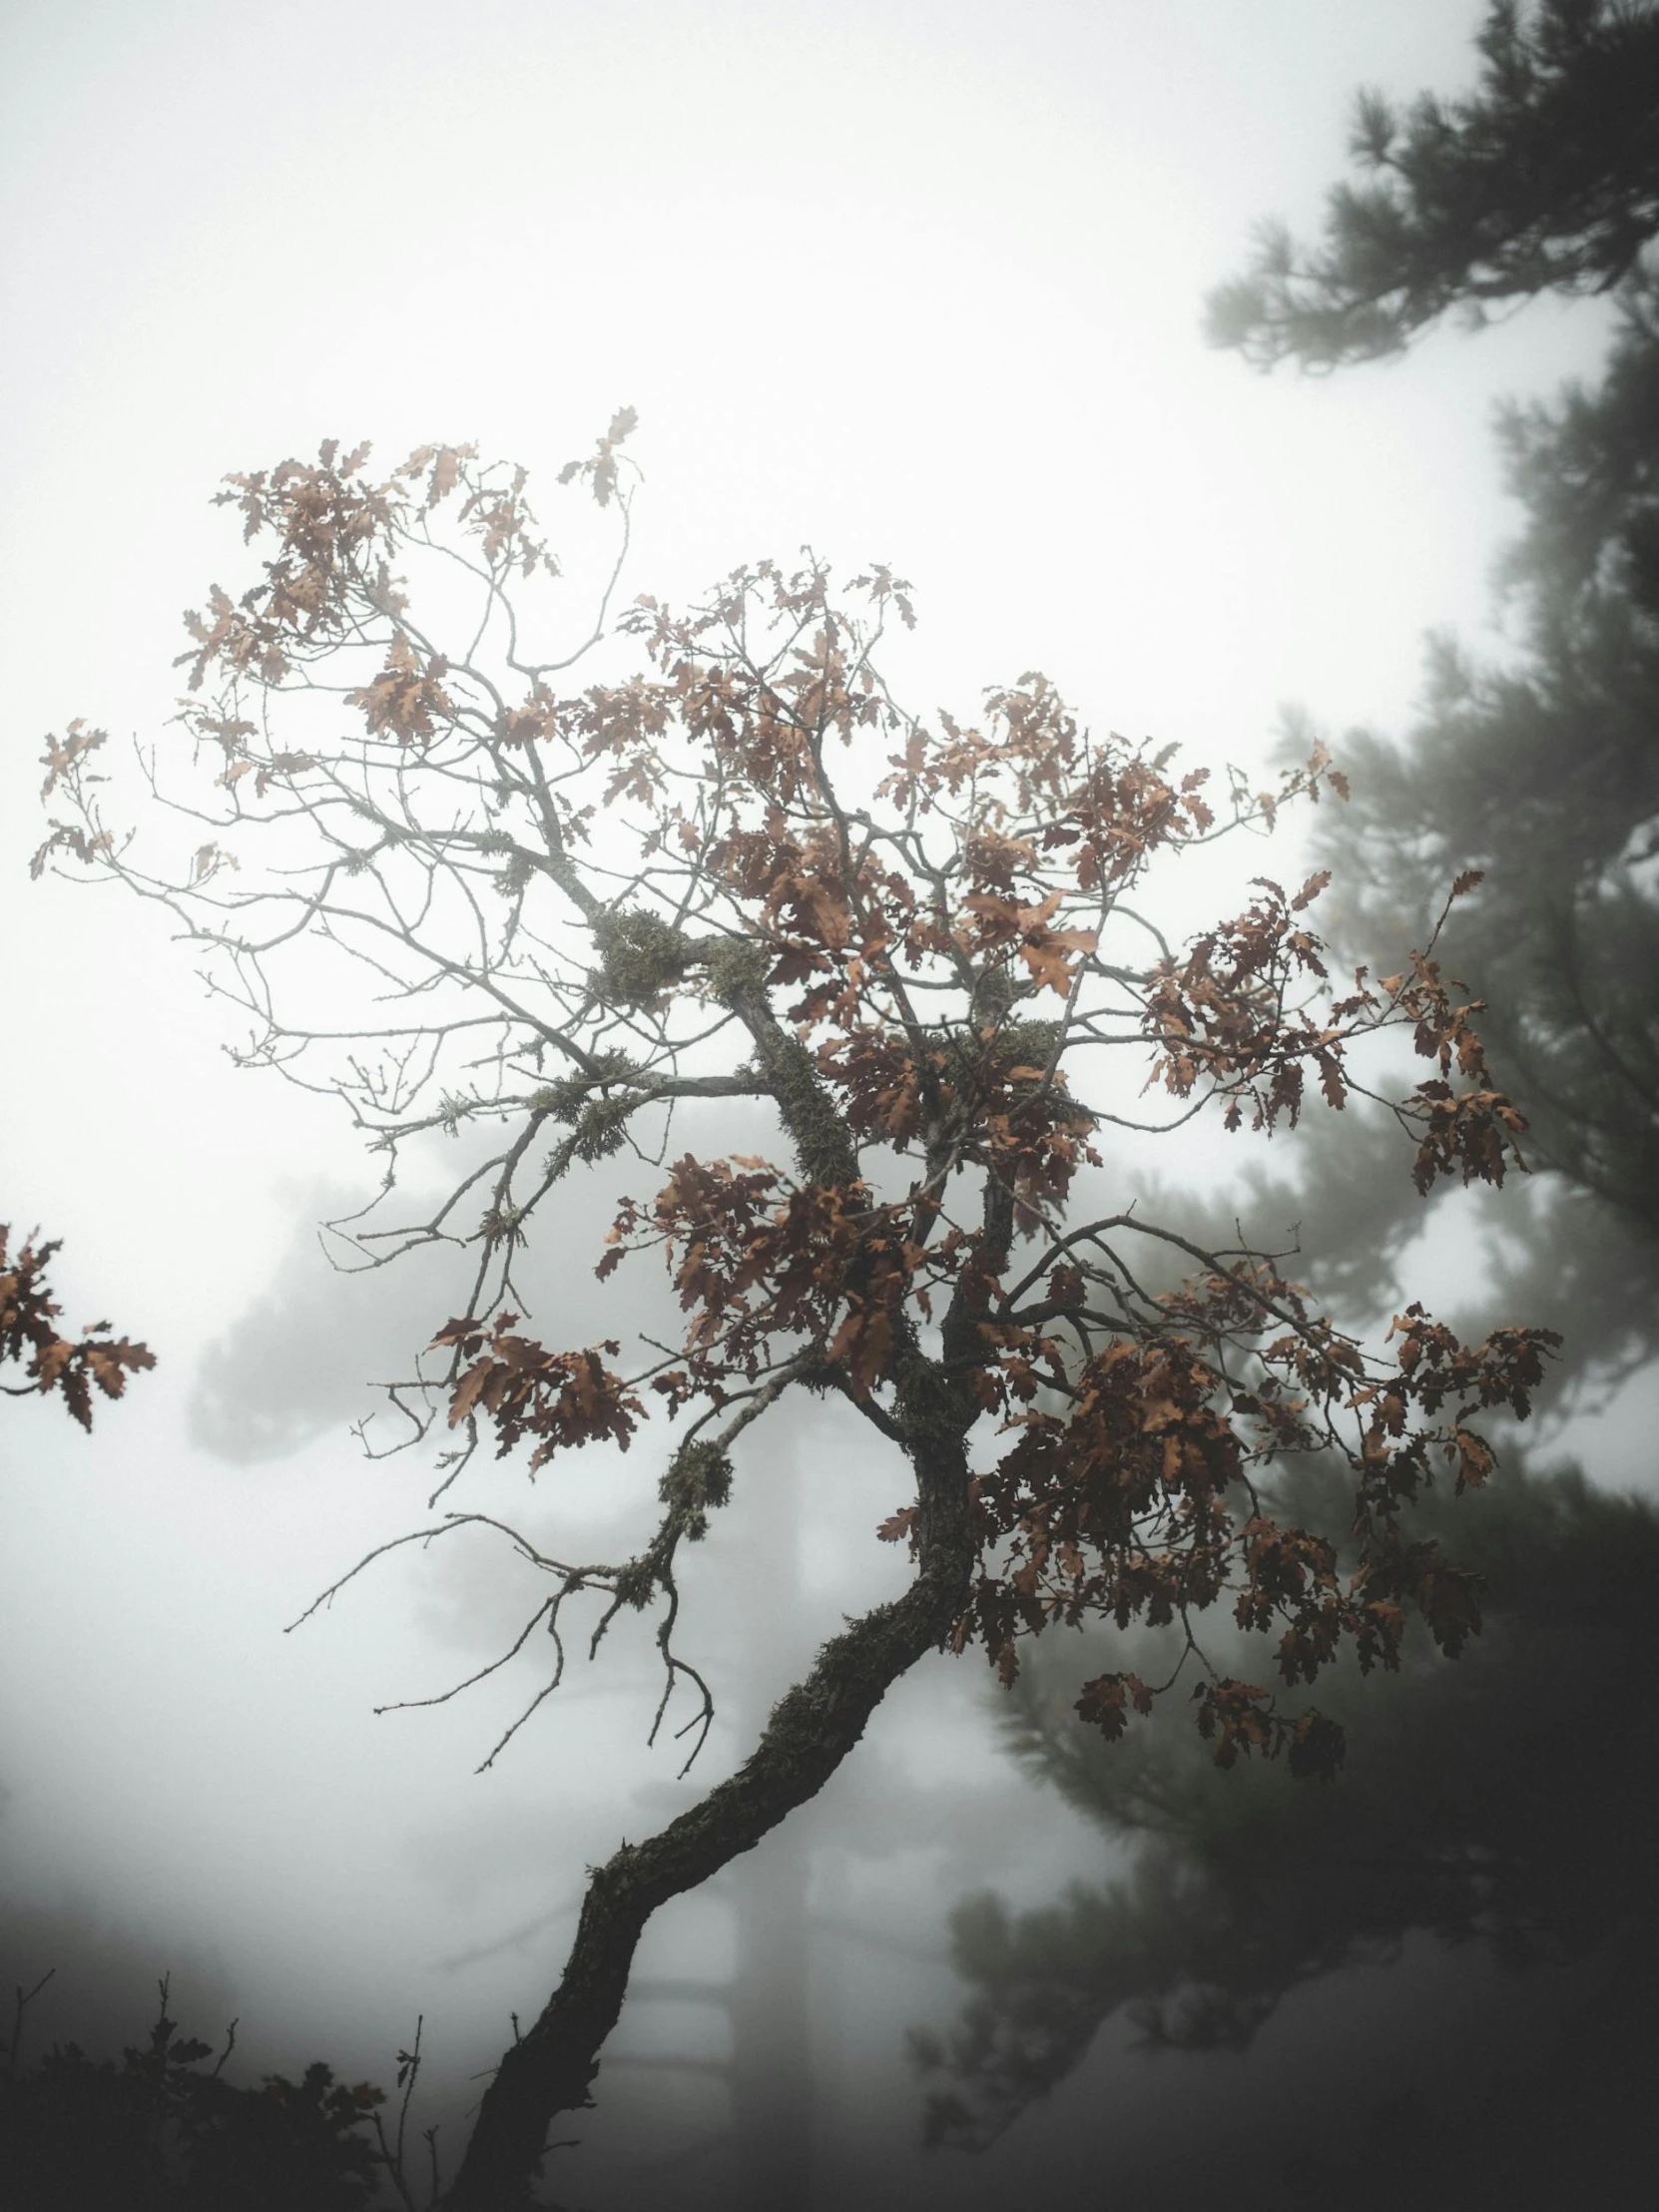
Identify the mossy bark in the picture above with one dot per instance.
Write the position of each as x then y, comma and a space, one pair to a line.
811, 1730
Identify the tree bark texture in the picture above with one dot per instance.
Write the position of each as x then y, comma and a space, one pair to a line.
811, 1730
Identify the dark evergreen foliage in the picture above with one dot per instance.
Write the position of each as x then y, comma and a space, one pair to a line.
162, 2132
1510, 1801
1547, 177
1451, 1817
1546, 773
1542, 772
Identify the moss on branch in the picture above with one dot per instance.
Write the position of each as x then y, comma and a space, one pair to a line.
642, 956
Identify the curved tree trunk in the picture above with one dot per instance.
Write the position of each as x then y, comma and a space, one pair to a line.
811, 1730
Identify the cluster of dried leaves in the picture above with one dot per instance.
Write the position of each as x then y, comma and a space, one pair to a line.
744, 870
29, 1336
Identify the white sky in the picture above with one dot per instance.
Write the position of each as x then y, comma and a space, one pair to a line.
917, 281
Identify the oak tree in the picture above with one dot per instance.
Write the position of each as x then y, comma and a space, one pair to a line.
52, 1363
923, 947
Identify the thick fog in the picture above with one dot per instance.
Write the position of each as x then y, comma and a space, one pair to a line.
914, 282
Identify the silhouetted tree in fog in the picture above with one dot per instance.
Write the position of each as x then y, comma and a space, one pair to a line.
1543, 773
1544, 178
1512, 1801
537, 919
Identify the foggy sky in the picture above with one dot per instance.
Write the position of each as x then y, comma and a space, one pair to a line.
917, 283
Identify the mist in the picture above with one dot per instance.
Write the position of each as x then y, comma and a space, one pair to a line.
914, 284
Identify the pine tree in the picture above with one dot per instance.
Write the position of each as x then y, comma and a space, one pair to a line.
1544, 771
1546, 178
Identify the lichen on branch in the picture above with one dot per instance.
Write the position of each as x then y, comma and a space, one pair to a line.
744, 870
